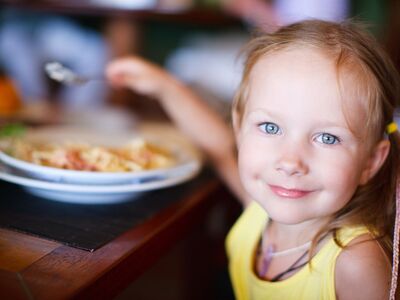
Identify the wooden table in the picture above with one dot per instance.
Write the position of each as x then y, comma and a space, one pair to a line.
201, 15
35, 268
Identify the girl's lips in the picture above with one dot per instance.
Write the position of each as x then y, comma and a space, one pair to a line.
288, 193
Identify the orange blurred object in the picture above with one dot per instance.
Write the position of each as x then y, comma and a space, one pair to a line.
10, 101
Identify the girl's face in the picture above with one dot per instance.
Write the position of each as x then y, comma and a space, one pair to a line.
298, 157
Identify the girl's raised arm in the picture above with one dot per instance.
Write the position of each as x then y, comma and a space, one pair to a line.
190, 114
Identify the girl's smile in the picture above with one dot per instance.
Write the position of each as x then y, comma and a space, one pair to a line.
289, 193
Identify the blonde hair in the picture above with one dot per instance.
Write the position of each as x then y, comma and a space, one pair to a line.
358, 54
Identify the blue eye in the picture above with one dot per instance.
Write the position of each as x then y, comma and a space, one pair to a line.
270, 128
328, 139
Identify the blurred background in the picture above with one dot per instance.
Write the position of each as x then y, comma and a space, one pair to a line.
197, 40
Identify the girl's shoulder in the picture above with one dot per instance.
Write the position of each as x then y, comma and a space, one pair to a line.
362, 270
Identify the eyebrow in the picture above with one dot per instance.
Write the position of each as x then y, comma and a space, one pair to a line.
260, 111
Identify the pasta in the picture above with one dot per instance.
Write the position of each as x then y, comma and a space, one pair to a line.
137, 155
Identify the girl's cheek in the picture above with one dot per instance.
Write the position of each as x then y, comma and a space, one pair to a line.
337, 171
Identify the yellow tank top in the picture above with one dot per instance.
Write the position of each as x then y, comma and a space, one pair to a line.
316, 283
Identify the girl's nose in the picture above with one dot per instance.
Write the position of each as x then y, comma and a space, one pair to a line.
291, 165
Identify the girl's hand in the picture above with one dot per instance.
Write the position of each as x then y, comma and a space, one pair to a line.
139, 75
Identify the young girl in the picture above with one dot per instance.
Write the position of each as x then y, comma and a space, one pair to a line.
318, 156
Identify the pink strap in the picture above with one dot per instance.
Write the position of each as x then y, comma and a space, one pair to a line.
393, 285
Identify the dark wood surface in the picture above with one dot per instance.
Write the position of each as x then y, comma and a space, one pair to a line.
193, 15
35, 268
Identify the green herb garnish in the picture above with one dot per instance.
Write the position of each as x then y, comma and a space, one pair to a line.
12, 130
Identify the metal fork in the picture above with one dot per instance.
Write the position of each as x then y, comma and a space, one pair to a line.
62, 74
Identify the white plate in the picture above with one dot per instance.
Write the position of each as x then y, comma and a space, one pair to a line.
91, 194
187, 157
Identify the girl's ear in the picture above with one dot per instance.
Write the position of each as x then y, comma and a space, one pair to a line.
375, 161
